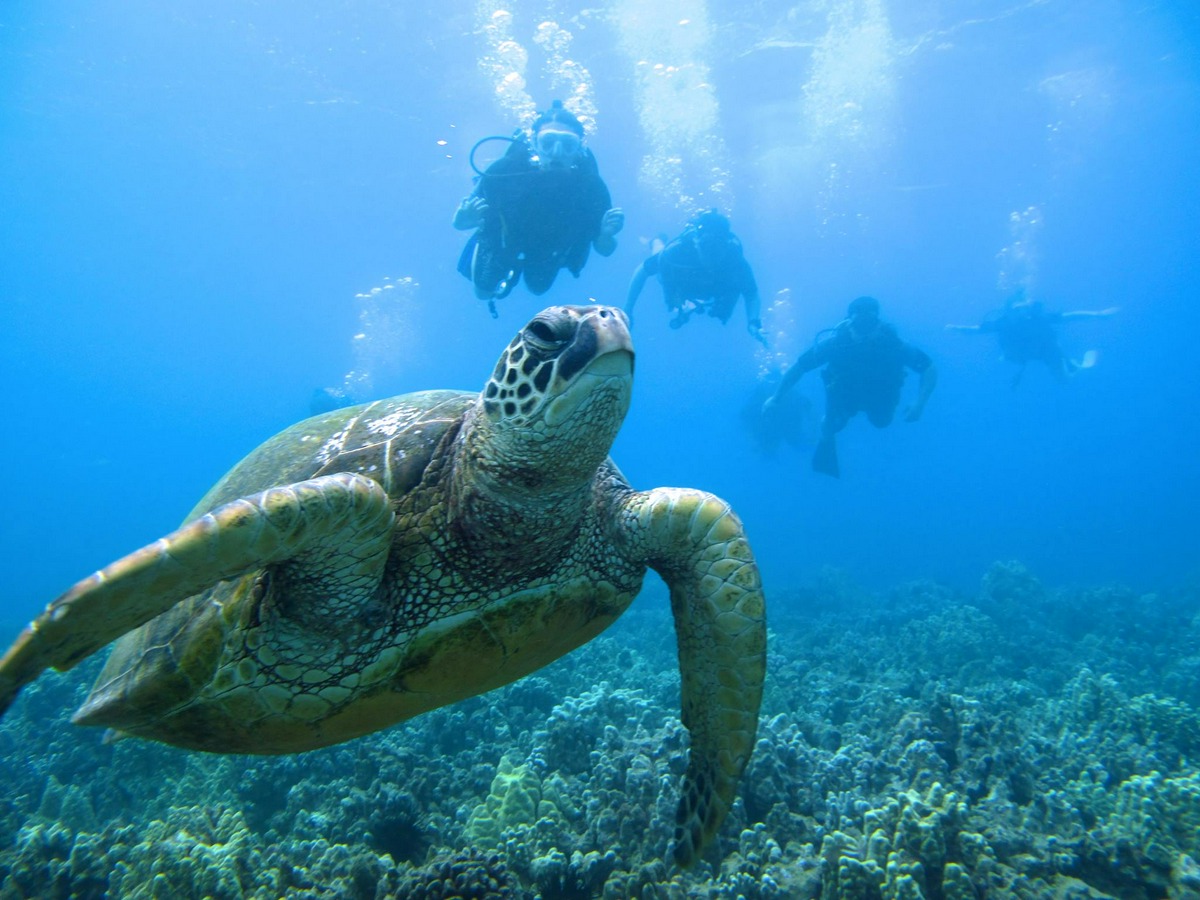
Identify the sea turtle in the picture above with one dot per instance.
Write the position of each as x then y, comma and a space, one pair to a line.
375, 562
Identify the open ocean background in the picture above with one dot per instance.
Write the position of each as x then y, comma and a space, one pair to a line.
208, 210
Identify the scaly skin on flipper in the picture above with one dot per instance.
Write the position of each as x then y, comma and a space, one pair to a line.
697, 544
316, 517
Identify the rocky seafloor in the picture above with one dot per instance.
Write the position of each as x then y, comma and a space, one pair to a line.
1019, 741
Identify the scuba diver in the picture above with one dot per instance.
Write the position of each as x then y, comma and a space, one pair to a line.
540, 207
864, 361
1025, 330
702, 270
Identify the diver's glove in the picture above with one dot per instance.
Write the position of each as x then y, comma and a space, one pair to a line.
613, 222
470, 213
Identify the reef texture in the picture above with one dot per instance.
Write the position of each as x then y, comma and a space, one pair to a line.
1018, 742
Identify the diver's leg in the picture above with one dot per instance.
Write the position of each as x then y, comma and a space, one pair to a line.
837, 414
493, 271
539, 274
881, 416
683, 310
672, 300
721, 307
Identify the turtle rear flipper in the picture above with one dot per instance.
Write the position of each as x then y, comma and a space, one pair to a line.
336, 529
697, 544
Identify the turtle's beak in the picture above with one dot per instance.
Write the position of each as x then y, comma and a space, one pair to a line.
618, 362
598, 364
611, 326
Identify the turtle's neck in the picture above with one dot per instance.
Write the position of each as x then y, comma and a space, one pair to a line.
513, 501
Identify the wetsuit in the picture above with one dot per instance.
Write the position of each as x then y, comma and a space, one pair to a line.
684, 276
862, 375
539, 220
1027, 334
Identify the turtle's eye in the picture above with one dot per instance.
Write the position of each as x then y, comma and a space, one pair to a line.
548, 335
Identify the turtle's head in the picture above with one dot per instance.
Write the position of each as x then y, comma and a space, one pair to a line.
559, 393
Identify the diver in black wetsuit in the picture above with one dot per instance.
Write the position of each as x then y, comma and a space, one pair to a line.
702, 270
540, 208
864, 362
1027, 332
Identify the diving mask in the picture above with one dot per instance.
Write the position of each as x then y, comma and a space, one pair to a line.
554, 144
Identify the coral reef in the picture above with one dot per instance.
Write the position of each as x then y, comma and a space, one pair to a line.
468, 875
1023, 741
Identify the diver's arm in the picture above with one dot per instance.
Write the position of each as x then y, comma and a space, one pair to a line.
1090, 313
606, 240
924, 389
806, 363
792, 375
754, 316
635, 289
749, 290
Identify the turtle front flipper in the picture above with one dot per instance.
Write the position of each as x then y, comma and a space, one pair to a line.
336, 528
697, 544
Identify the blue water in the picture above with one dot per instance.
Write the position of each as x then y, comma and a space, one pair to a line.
210, 209
193, 196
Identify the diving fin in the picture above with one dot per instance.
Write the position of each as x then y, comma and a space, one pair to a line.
825, 459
